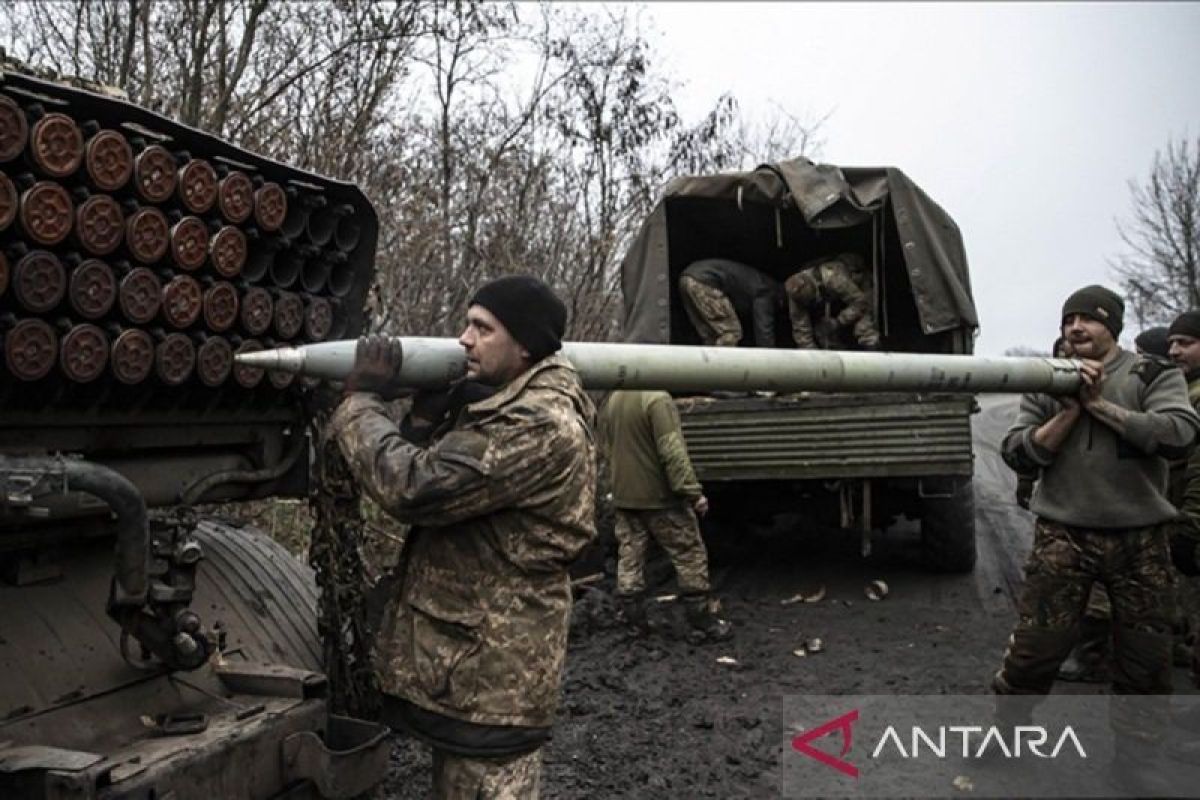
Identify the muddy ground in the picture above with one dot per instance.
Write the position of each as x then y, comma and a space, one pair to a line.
659, 718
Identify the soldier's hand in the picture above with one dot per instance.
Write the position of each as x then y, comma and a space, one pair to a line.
377, 361
1024, 492
1092, 373
700, 506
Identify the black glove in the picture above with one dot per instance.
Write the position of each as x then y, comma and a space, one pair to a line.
432, 407
1024, 491
377, 361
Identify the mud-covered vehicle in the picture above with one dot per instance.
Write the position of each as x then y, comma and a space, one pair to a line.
147, 650
854, 460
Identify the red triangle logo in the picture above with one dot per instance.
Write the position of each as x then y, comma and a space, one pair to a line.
844, 723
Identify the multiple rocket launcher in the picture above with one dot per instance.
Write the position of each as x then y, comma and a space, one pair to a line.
123, 260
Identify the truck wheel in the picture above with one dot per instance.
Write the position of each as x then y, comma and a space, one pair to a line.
264, 597
948, 529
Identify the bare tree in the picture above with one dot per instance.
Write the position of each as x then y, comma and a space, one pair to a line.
1160, 271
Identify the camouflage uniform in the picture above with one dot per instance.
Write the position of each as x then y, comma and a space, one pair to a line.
710, 312
676, 531
501, 503
459, 778
654, 489
1102, 516
1185, 490
722, 297
836, 291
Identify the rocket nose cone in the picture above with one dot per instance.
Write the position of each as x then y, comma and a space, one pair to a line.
263, 359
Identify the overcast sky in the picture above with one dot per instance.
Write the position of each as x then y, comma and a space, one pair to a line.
1024, 121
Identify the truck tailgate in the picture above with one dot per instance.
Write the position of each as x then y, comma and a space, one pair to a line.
828, 436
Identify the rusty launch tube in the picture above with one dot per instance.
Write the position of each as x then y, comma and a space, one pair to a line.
430, 362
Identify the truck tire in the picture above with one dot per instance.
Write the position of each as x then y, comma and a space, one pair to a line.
264, 597
948, 529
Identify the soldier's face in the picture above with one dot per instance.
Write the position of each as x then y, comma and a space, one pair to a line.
494, 357
1185, 351
1087, 336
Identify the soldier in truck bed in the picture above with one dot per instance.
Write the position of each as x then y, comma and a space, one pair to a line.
830, 304
723, 298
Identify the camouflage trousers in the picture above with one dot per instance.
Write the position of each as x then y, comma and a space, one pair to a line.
1134, 564
676, 531
711, 313
464, 778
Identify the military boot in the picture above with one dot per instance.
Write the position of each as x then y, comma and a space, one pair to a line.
633, 611
705, 626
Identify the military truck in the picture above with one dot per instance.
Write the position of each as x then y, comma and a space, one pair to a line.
147, 649
855, 461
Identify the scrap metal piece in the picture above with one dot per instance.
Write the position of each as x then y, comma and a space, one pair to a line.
345, 762
273, 680
41, 757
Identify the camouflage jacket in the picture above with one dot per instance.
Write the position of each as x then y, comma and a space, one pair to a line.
501, 503
830, 291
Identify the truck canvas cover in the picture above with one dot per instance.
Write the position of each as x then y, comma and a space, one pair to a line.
782, 215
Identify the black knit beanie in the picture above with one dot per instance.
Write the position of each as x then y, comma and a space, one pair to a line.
529, 309
1186, 324
1154, 341
1102, 305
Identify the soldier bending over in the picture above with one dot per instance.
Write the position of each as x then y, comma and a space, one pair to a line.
831, 306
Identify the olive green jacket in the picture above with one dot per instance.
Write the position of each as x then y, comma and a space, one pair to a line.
647, 457
502, 503
1099, 479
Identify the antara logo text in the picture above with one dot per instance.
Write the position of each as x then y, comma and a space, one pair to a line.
943, 741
